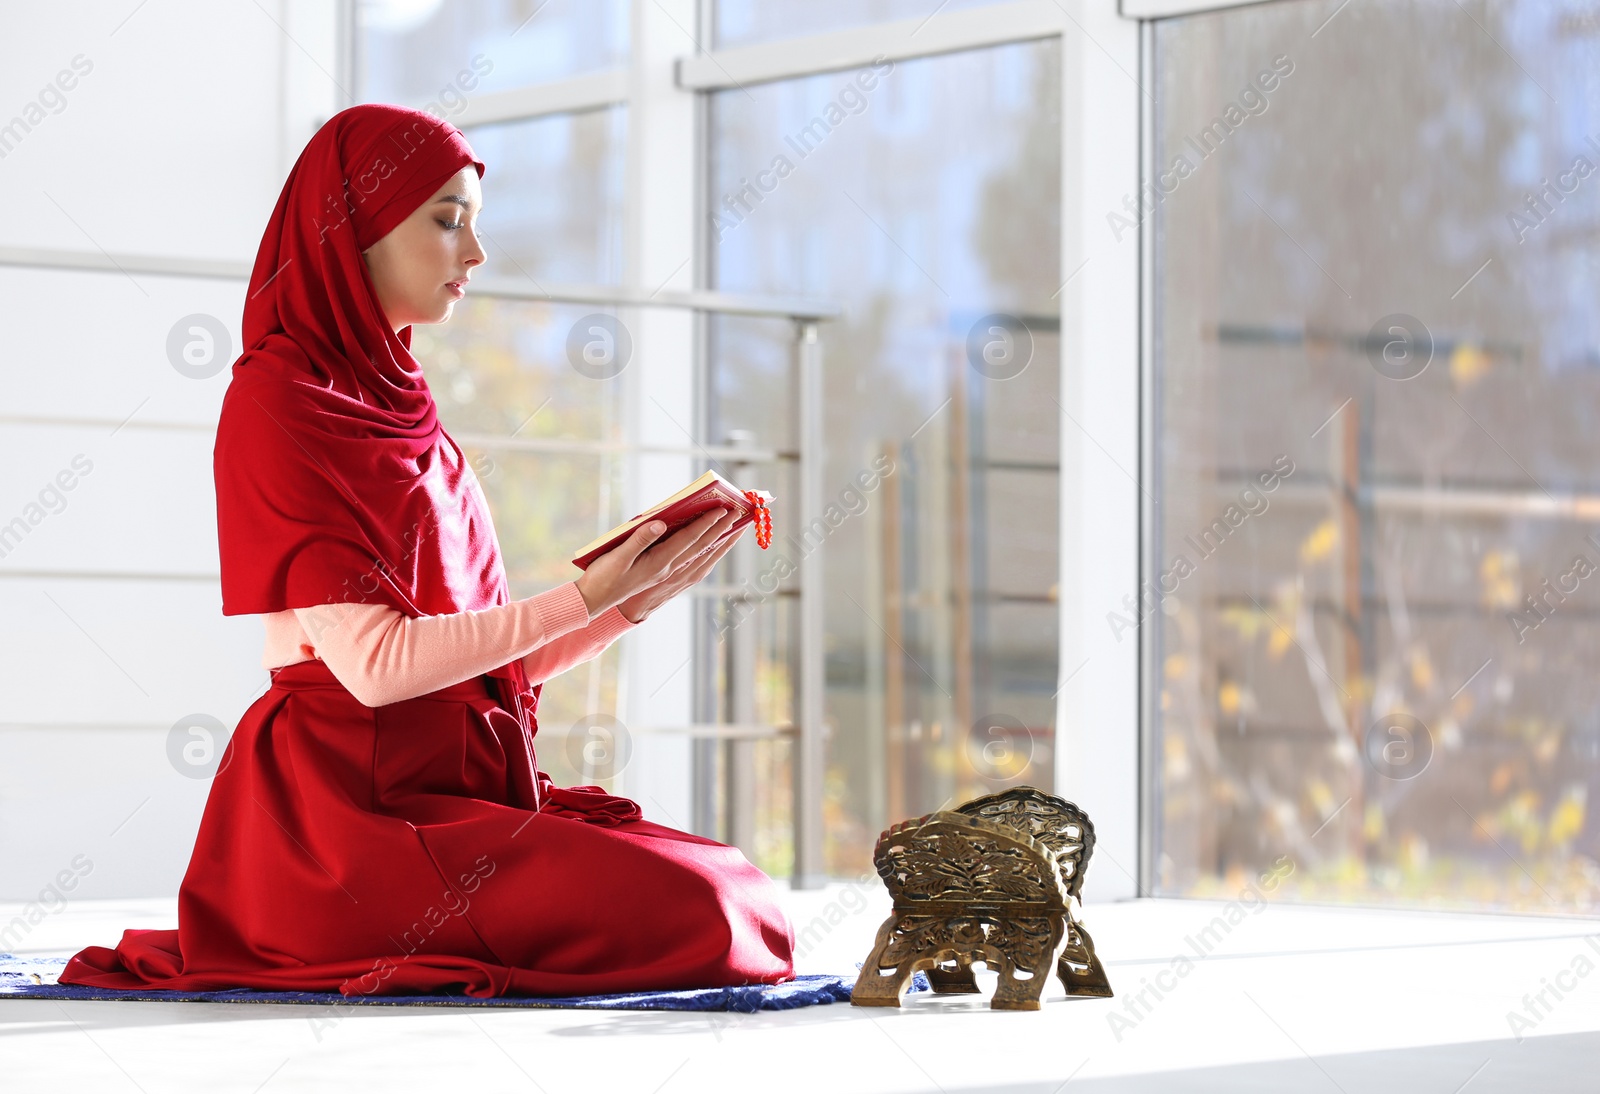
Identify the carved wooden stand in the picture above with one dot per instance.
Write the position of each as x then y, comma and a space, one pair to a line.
994, 879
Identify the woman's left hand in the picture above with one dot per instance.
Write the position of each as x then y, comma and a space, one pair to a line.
637, 608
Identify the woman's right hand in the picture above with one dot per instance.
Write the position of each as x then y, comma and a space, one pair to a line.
639, 562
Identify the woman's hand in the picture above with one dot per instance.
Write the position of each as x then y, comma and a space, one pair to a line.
690, 569
638, 563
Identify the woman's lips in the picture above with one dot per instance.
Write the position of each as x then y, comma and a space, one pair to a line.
458, 288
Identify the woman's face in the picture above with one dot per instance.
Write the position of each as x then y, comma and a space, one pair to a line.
420, 268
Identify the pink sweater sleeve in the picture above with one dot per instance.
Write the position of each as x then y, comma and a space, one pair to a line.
383, 656
560, 654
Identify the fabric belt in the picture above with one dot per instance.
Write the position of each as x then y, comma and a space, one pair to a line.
315, 674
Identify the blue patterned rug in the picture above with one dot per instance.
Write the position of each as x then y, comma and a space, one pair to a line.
35, 978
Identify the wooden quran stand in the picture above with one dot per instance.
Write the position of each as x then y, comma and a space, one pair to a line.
995, 879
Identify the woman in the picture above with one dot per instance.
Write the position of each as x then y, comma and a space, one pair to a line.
379, 823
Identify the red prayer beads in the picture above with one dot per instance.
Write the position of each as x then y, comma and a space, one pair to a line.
763, 519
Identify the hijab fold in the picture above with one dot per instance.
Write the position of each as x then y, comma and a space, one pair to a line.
335, 479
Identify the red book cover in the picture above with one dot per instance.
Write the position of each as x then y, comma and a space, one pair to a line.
709, 491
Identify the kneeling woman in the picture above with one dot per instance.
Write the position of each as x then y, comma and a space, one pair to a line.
379, 822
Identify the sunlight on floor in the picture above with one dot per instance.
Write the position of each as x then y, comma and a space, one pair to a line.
1209, 997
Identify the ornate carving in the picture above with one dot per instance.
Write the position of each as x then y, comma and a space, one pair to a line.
1068, 832
995, 879
1078, 965
1054, 821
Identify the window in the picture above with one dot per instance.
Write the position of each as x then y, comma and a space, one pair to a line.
1379, 294
924, 196
552, 196
745, 22
421, 52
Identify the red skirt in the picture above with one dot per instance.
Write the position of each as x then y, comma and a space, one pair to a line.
416, 848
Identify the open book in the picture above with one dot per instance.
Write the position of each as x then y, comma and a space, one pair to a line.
709, 491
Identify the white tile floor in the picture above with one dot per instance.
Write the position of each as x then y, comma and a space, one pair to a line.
1288, 999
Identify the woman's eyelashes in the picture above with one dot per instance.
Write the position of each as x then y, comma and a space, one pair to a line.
449, 226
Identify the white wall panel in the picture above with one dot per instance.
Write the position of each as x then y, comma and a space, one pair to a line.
123, 652
147, 504
95, 345
174, 142
107, 794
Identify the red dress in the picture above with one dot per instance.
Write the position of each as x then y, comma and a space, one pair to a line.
392, 850
414, 846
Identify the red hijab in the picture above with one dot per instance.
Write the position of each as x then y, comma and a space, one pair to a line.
335, 479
